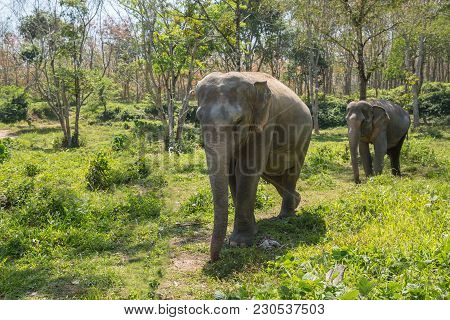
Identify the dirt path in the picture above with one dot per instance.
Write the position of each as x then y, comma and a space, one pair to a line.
6, 134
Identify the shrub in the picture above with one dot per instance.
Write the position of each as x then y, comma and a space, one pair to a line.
108, 114
4, 153
332, 111
127, 115
321, 181
16, 192
319, 160
398, 96
151, 111
147, 205
435, 100
120, 142
419, 152
31, 170
429, 131
50, 205
199, 203
42, 110
98, 175
153, 131
263, 200
13, 104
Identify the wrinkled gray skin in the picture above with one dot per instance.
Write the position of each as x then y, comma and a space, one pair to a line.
253, 126
381, 123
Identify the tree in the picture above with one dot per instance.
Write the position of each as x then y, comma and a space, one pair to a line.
417, 29
356, 25
173, 42
62, 76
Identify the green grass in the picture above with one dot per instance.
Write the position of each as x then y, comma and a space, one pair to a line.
145, 233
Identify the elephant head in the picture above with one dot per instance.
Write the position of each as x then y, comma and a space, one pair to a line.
365, 120
228, 109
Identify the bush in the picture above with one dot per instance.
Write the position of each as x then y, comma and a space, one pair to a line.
120, 142
321, 160
13, 104
4, 153
42, 110
398, 96
31, 170
98, 175
147, 205
50, 205
435, 100
109, 114
420, 153
332, 111
263, 200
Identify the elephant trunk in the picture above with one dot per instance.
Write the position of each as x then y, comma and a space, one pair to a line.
354, 136
218, 158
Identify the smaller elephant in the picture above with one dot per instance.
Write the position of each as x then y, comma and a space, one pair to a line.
381, 123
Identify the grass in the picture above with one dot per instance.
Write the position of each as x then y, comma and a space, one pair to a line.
145, 233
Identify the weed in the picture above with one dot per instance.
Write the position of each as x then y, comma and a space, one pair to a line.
4, 153
31, 170
98, 175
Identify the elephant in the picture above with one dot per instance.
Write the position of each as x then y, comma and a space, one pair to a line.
381, 123
253, 127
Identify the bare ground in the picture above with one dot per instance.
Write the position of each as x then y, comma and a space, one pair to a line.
6, 134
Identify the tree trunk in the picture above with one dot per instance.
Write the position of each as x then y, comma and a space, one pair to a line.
185, 104
418, 84
238, 35
362, 75
348, 75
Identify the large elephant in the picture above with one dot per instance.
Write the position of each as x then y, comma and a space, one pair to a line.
253, 126
381, 123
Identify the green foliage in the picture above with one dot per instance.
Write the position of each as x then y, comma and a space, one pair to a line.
4, 153
13, 104
42, 111
324, 159
397, 95
435, 101
120, 142
198, 204
263, 200
332, 111
395, 63
147, 205
419, 152
31, 170
389, 233
98, 175
388, 268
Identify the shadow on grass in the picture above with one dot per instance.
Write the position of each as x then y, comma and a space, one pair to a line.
329, 137
304, 229
38, 130
19, 283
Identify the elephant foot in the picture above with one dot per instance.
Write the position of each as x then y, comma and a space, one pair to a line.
288, 208
286, 214
242, 238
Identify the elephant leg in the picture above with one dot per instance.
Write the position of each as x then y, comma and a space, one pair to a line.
232, 181
380, 146
285, 185
291, 198
394, 156
366, 158
244, 222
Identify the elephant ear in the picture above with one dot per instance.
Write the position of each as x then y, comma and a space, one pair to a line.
380, 116
262, 102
